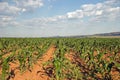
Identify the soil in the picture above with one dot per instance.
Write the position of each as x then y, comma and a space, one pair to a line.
7, 54
36, 73
72, 56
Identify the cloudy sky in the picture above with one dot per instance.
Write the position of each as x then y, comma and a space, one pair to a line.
43, 18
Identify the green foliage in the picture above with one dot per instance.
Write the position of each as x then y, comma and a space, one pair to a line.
100, 56
5, 68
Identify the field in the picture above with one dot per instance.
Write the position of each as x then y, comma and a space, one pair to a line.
59, 58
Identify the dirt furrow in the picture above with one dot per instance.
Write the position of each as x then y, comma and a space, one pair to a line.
37, 72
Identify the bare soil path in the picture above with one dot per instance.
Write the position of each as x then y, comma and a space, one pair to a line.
37, 72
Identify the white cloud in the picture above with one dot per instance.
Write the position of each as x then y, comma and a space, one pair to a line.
6, 9
88, 7
99, 12
23, 10
10, 10
93, 12
8, 21
99, 5
28, 5
109, 2
116, 9
75, 14
18, 6
6, 18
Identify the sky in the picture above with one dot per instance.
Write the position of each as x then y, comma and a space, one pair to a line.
46, 18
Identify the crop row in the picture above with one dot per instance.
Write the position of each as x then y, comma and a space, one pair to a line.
74, 58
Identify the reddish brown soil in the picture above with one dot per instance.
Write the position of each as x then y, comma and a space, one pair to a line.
72, 56
37, 72
7, 54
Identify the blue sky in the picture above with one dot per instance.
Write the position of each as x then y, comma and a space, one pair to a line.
43, 18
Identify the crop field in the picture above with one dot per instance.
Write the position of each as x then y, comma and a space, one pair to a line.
59, 58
